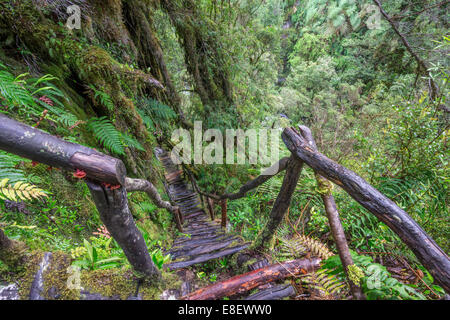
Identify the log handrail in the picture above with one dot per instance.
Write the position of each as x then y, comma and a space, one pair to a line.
99, 171
432, 257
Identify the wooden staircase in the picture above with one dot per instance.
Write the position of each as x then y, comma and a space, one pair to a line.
202, 239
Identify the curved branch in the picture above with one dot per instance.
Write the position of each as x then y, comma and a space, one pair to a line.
276, 168
149, 188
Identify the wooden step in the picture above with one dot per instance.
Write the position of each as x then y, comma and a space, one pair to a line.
274, 293
206, 257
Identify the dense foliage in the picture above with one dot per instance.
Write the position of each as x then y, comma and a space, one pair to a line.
337, 66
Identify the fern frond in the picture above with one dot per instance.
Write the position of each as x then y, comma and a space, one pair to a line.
8, 167
68, 119
301, 244
156, 110
102, 98
13, 91
131, 142
147, 120
19, 191
105, 132
270, 188
323, 282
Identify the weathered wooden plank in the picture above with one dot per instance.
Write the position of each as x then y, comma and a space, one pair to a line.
188, 252
274, 293
206, 257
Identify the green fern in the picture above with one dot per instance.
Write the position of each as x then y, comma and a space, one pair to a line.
270, 188
20, 92
14, 92
103, 98
153, 112
8, 167
324, 283
105, 132
68, 119
131, 142
19, 191
147, 120
300, 245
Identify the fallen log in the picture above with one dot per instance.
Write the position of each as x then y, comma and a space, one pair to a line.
427, 251
250, 280
39, 146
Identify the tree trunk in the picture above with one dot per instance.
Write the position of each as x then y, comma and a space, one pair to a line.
150, 54
427, 251
204, 59
281, 204
250, 280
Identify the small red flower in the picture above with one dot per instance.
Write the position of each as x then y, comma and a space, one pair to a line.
34, 163
49, 168
79, 174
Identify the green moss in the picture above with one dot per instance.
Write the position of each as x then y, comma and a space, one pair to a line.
26, 277
122, 283
119, 283
14, 255
55, 279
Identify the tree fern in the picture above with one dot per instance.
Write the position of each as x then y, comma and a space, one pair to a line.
19, 191
105, 132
